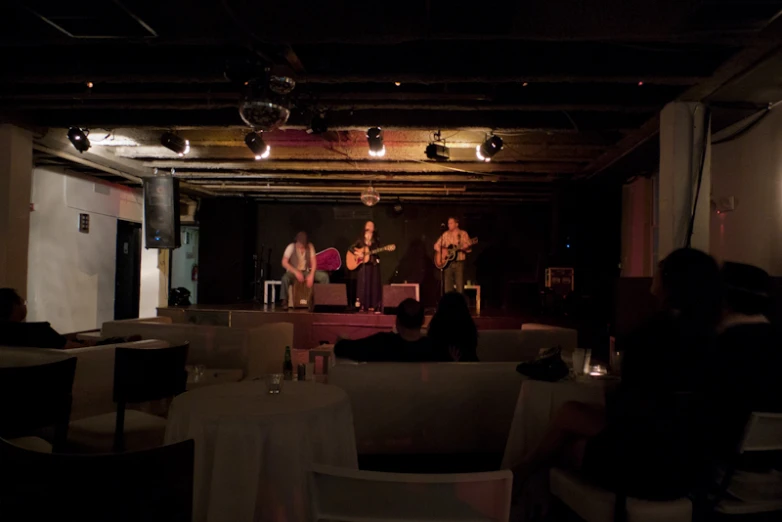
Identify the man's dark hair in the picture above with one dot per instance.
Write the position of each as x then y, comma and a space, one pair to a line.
8, 299
746, 288
410, 314
455, 219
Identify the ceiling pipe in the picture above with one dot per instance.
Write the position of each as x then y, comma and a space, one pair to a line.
330, 189
87, 163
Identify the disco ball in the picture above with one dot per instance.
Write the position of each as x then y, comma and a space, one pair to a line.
370, 197
282, 84
263, 115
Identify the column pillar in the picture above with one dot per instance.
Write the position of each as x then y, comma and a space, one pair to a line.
682, 137
16, 171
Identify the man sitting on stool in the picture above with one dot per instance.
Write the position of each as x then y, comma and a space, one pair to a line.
300, 264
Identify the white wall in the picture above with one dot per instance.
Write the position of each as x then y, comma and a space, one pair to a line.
71, 274
182, 261
750, 169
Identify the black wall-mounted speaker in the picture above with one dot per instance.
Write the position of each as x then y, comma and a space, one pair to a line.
161, 212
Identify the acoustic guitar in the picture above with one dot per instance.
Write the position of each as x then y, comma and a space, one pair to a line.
444, 256
354, 259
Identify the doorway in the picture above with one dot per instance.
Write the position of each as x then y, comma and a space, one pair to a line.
127, 278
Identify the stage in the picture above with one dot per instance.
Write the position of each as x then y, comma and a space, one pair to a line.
310, 328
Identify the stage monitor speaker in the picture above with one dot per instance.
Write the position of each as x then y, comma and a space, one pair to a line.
329, 298
393, 295
161, 212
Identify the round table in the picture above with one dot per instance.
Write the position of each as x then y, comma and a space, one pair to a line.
253, 450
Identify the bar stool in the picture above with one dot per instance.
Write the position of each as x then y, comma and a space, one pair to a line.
273, 285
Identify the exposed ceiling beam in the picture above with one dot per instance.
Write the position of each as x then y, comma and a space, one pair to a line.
120, 77
484, 121
330, 151
431, 79
130, 104
331, 189
766, 44
198, 177
366, 166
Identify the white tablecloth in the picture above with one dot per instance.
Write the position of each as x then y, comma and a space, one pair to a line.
536, 407
538, 402
252, 449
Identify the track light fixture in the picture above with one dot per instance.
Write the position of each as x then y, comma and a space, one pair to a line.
486, 150
175, 143
78, 139
258, 147
375, 139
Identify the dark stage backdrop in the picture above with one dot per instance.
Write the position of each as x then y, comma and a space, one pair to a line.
513, 241
225, 250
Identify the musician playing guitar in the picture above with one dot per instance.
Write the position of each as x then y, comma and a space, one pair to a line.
456, 238
370, 287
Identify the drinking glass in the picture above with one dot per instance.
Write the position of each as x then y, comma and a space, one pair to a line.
274, 383
579, 358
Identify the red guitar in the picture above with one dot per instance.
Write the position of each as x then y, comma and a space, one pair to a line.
328, 260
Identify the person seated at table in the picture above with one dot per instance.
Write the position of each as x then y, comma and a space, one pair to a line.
452, 330
746, 362
15, 331
300, 264
405, 345
646, 442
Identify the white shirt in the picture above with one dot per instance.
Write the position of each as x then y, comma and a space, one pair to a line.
302, 257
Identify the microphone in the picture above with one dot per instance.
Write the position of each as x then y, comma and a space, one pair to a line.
443, 226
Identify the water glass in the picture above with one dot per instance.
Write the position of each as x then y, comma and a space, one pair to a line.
195, 372
274, 383
579, 357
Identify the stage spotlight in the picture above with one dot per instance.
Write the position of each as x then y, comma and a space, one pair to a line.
258, 147
438, 152
375, 139
78, 139
489, 148
175, 143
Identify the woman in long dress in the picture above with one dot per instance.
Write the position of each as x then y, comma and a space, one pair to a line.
370, 288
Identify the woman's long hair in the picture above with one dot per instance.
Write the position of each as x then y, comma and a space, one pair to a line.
375, 236
453, 327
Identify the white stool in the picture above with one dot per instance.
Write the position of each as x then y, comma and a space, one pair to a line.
273, 285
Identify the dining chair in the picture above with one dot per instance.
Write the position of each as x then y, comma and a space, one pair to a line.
346, 494
34, 398
140, 375
763, 433
673, 422
151, 485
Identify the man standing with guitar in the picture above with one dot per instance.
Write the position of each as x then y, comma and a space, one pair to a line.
450, 252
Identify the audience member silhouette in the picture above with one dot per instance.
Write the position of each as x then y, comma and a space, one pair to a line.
645, 443
407, 344
452, 330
